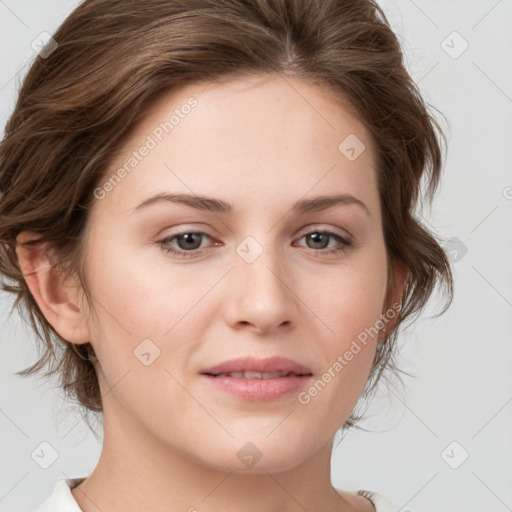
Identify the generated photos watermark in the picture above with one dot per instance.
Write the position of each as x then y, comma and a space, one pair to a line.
304, 397
152, 141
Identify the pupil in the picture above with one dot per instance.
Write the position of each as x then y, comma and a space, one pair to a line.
317, 238
189, 239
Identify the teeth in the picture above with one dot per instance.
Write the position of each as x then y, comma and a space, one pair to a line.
254, 375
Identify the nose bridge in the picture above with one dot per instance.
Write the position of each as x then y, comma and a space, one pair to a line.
260, 289
260, 264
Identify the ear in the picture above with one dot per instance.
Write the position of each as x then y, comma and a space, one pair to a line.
56, 300
394, 297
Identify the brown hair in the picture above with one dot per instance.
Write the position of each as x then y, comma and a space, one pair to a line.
114, 57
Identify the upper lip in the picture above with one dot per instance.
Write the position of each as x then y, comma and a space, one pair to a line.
252, 364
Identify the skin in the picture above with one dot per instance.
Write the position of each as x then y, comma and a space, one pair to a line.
170, 440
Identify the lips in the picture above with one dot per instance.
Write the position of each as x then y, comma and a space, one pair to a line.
255, 375
258, 380
253, 368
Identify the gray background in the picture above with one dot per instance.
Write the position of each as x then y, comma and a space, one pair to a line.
462, 392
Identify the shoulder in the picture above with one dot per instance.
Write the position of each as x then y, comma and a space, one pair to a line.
367, 501
61, 499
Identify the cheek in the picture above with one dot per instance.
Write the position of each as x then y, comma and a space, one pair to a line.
350, 307
145, 322
351, 299
348, 351
137, 298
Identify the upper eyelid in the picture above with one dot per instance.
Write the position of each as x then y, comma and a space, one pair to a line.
333, 231
310, 229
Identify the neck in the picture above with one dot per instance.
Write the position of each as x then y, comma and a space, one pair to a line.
135, 472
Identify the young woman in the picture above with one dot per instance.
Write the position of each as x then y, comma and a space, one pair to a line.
208, 213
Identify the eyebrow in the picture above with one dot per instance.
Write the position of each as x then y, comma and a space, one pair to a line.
211, 204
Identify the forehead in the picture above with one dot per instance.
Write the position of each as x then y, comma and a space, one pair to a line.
252, 137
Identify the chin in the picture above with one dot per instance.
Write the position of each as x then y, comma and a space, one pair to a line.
254, 458
264, 466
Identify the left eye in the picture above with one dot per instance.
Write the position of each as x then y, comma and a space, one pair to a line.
189, 243
320, 237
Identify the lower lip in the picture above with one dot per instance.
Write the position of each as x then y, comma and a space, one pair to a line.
259, 389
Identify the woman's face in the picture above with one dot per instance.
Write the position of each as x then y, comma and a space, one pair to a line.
255, 277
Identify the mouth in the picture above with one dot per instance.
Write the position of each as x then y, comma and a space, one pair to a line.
257, 375
253, 368
258, 379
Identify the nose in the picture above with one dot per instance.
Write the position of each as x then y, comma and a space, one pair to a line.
260, 294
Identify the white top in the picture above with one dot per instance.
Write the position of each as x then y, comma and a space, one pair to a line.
61, 499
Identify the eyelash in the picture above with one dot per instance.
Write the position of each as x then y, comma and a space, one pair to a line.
346, 244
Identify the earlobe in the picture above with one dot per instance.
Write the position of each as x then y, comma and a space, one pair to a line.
55, 298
